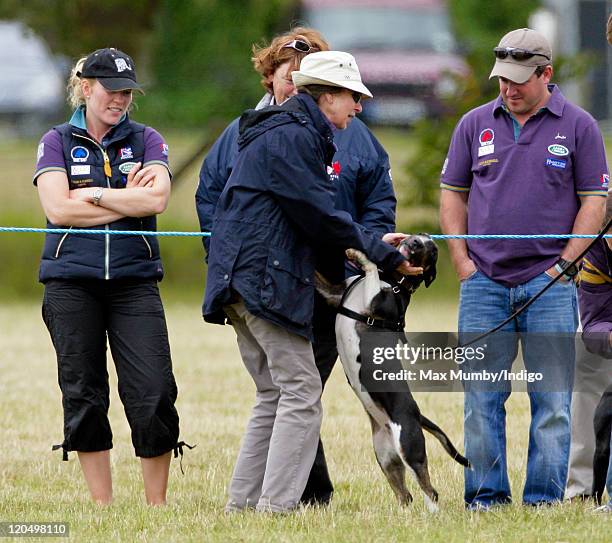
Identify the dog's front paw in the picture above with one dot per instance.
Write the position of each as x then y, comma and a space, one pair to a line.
355, 255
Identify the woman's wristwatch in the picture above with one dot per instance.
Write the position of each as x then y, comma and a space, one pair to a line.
566, 268
97, 196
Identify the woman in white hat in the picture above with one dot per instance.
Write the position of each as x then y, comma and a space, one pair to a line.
275, 213
360, 173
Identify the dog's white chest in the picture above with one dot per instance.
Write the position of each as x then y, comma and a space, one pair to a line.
349, 350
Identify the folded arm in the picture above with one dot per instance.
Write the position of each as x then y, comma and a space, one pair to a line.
62, 210
146, 193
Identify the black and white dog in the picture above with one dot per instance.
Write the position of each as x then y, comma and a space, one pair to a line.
603, 430
397, 424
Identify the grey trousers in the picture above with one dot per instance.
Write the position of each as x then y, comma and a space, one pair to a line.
280, 442
593, 375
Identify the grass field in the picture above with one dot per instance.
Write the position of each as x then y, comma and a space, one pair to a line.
214, 401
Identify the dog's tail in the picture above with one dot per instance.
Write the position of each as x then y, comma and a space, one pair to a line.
437, 432
330, 292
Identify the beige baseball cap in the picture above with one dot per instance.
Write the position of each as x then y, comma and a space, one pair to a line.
519, 53
334, 68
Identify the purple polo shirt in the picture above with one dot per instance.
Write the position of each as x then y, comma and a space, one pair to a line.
527, 185
50, 155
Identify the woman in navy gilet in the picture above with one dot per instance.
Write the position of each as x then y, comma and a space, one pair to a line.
103, 171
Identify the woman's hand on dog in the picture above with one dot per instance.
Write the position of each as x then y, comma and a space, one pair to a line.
406, 269
394, 239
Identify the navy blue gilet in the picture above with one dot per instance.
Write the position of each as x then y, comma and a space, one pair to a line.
102, 256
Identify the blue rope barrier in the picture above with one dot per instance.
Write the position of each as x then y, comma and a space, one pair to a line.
207, 234
516, 236
111, 232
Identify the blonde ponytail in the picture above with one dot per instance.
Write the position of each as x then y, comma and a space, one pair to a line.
75, 92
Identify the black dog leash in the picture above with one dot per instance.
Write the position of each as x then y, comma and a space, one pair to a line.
600, 236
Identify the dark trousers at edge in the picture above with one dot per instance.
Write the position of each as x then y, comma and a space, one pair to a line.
319, 488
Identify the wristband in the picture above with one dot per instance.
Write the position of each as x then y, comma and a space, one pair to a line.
566, 268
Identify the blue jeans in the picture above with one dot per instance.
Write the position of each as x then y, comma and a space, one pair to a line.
546, 332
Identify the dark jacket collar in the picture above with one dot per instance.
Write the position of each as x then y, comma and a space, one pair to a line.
301, 109
305, 103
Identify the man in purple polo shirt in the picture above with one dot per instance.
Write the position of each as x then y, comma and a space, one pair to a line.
529, 162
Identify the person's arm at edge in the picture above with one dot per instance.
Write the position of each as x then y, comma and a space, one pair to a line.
588, 221
377, 201
214, 173
453, 221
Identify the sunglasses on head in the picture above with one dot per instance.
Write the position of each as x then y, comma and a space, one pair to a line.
516, 54
301, 46
356, 96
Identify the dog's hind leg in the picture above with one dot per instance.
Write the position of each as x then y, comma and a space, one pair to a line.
330, 292
390, 462
410, 443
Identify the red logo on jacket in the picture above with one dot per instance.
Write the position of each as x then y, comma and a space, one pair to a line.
334, 171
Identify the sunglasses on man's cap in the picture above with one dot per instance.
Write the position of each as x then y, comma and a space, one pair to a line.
517, 54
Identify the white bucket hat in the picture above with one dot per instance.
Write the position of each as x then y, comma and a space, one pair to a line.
334, 68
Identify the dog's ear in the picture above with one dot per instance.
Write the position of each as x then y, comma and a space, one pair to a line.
429, 275
430, 271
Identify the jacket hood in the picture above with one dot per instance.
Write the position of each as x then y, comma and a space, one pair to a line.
255, 122
300, 109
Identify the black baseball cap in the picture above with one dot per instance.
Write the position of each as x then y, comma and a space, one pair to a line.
112, 68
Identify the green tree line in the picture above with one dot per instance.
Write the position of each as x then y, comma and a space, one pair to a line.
192, 55
194, 58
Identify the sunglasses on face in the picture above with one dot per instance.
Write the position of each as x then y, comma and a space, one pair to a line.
356, 96
517, 54
301, 46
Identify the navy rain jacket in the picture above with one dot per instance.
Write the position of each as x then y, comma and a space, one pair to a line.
277, 205
359, 172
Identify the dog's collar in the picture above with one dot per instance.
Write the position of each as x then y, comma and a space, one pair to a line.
396, 286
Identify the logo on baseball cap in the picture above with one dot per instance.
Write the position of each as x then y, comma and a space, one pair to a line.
519, 53
112, 68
